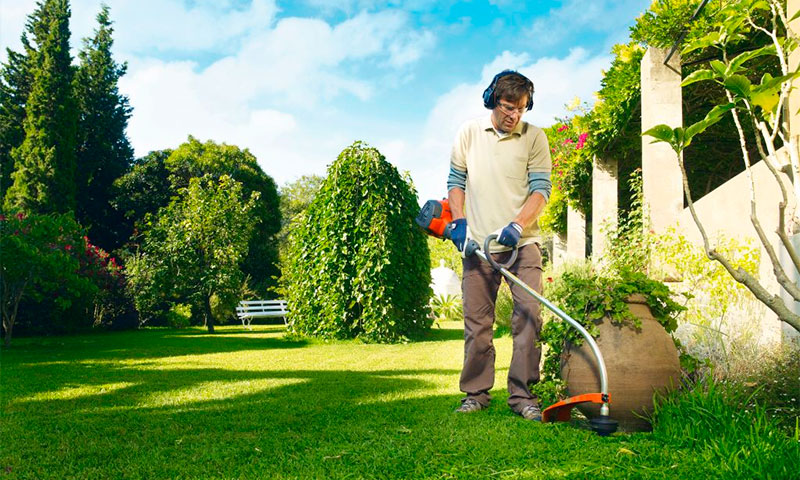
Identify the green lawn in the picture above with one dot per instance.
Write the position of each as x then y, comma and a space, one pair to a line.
251, 404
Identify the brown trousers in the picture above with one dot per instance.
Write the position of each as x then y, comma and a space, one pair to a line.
479, 291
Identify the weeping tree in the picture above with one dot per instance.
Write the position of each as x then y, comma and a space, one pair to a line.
357, 266
761, 103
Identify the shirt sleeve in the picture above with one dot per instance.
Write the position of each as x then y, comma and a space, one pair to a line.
456, 179
540, 182
539, 154
458, 160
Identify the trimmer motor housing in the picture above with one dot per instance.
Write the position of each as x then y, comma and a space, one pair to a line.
434, 217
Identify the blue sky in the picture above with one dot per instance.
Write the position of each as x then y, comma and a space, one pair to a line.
297, 81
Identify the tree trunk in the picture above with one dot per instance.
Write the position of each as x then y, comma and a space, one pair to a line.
208, 314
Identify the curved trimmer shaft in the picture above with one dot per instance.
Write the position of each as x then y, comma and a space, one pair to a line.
592, 344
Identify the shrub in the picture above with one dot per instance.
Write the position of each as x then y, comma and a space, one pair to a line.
722, 425
39, 265
357, 265
446, 308
179, 316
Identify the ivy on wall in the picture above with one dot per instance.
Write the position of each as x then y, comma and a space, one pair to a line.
613, 124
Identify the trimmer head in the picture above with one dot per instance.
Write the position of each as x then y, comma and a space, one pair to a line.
561, 412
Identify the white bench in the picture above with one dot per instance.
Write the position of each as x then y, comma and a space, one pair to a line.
247, 310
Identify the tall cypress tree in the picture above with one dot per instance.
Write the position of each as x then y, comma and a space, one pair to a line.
15, 85
103, 151
44, 179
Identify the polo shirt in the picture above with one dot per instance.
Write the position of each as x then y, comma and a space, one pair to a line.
497, 175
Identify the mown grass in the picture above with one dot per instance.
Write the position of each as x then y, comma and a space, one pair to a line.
252, 404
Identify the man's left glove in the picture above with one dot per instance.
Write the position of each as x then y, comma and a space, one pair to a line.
509, 236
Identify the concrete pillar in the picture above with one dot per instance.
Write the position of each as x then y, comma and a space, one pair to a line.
559, 249
604, 203
662, 182
576, 234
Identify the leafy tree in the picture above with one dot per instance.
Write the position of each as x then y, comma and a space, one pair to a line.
44, 179
193, 249
295, 197
103, 151
39, 263
357, 264
143, 189
15, 84
195, 159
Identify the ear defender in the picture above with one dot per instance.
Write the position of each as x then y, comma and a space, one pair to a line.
489, 100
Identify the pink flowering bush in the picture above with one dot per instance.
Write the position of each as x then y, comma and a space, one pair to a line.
572, 169
53, 278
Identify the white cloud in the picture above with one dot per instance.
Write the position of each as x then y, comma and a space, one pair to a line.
152, 25
274, 94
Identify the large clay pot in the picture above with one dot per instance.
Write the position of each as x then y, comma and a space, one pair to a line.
639, 363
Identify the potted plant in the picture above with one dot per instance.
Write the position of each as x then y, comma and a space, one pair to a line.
631, 317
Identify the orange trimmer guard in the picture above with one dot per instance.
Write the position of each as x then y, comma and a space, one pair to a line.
562, 411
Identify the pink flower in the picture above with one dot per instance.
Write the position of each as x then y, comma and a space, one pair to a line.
20, 216
562, 128
582, 140
2, 218
68, 247
568, 141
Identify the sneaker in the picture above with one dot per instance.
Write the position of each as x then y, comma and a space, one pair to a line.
469, 405
532, 413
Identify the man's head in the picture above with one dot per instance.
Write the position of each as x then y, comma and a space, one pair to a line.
509, 96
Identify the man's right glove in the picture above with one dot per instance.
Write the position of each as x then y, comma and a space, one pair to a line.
457, 231
510, 235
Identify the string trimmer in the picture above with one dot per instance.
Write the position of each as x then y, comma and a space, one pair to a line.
435, 218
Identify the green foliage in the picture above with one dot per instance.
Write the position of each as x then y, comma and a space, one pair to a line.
721, 425
179, 315
295, 197
143, 189
446, 308
717, 299
103, 151
159, 176
629, 245
503, 309
445, 250
39, 264
44, 176
357, 264
618, 103
664, 22
15, 85
193, 249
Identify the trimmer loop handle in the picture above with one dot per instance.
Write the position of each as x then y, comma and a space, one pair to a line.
492, 262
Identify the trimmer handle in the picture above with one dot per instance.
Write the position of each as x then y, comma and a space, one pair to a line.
492, 262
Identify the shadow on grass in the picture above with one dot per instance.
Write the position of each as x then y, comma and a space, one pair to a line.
302, 423
151, 343
166, 419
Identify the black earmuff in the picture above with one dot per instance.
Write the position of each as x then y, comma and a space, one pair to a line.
489, 100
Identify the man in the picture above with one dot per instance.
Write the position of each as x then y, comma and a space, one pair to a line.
499, 182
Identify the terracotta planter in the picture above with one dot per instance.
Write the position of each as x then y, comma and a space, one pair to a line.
639, 363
